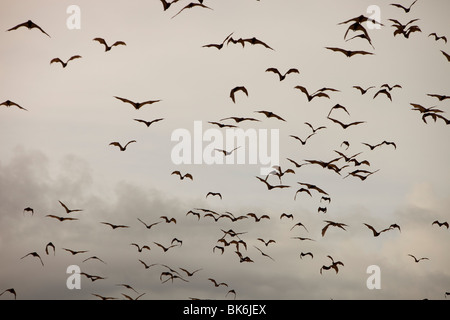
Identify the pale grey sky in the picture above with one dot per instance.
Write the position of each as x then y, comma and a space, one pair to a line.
58, 150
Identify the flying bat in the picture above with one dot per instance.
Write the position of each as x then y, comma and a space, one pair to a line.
113, 226
169, 220
282, 76
165, 249
73, 252
362, 90
34, 254
306, 254
303, 142
150, 225
30, 25
214, 194
437, 38
9, 103
264, 254
435, 117
299, 225
266, 243
182, 177
50, 245
402, 7
270, 187
349, 53
338, 106
440, 224
192, 5
188, 273
137, 105
139, 248
238, 119
345, 126
124, 148
11, 291
217, 284
288, 216
333, 224
313, 187
61, 219
68, 211
94, 258
258, 219
221, 125
167, 4
108, 48
220, 45
440, 97
310, 97
270, 114
417, 260
225, 152
28, 209
148, 123
316, 129
361, 19
372, 147
236, 89
64, 64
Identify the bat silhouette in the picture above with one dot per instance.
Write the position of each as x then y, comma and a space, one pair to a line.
193, 213
375, 232
130, 298
264, 254
302, 239
266, 243
139, 248
440, 224
230, 216
334, 265
108, 48
61, 219
349, 53
233, 292
296, 164
68, 211
303, 142
306, 254
282, 76
192, 5
280, 173
11, 291
439, 96
214, 217
64, 64
270, 114
30, 25
236, 89
190, 274
313, 187
361, 19
320, 209
325, 199
34, 254
437, 38
93, 278
270, 187
312, 128
50, 245
94, 258
214, 194
364, 36
146, 266
372, 147
310, 97
356, 173
417, 260
9, 103
150, 225
164, 248
363, 91
336, 107
390, 88
124, 148
166, 4
148, 123
182, 177
421, 109
218, 46
333, 224
176, 240
225, 152
169, 220
221, 125
242, 258
258, 219
288, 216
402, 7
73, 252
217, 284
220, 248
299, 225
137, 105
113, 226
435, 117
238, 119
345, 126
28, 209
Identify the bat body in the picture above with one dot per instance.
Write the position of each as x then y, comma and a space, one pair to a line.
64, 64
282, 76
349, 53
137, 105
237, 89
182, 177
108, 48
9, 103
30, 25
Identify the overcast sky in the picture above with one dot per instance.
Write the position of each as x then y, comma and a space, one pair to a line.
59, 149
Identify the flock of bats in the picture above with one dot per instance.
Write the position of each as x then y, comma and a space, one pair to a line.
357, 167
